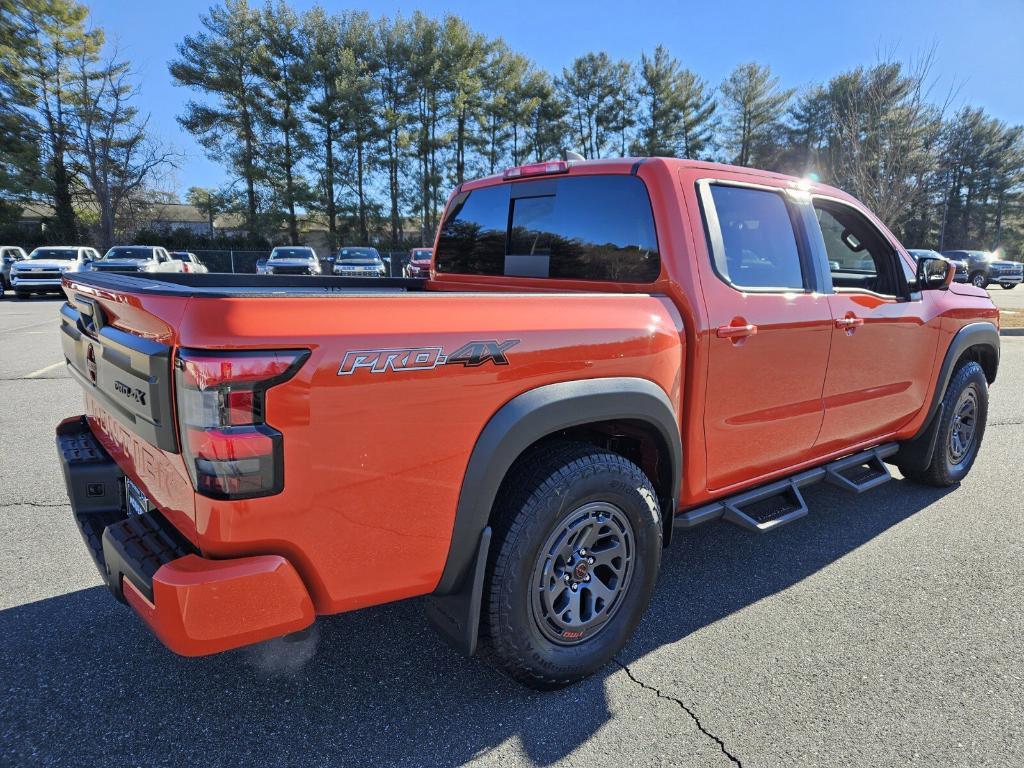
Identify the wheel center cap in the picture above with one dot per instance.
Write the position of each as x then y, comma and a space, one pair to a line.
580, 570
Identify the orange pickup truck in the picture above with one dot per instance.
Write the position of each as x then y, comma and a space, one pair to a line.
603, 352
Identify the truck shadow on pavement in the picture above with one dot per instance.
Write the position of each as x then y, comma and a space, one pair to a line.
83, 682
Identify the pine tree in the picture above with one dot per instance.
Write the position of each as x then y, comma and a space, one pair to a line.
754, 107
287, 83
220, 63
679, 110
52, 39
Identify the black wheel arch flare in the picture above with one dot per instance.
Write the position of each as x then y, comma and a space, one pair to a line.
526, 419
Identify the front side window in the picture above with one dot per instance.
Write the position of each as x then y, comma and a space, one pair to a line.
859, 257
573, 228
758, 247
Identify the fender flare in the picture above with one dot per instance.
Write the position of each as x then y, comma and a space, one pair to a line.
454, 606
916, 453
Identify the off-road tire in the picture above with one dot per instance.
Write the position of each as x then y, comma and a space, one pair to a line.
541, 491
943, 470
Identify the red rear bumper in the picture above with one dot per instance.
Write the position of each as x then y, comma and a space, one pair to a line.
205, 606
195, 605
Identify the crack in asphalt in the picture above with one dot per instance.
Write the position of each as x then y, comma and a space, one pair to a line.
657, 692
1005, 423
39, 504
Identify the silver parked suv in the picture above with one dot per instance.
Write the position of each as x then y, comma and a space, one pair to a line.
9, 254
41, 272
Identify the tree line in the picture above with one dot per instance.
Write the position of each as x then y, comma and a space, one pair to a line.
70, 134
365, 124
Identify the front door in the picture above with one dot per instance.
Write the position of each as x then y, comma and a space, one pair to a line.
770, 333
882, 350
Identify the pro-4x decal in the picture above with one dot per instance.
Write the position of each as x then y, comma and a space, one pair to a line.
472, 354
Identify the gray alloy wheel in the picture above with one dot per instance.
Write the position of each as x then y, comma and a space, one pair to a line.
575, 551
979, 280
582, 572
960, 428
964, 426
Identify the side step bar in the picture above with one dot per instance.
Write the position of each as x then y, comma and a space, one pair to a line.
773, 505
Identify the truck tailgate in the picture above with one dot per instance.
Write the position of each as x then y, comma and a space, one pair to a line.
121, 354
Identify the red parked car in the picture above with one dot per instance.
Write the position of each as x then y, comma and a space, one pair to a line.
607, 351
419, 262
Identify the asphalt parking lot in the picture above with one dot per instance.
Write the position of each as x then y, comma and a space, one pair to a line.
883, 629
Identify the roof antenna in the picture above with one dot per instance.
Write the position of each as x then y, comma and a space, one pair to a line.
568, 154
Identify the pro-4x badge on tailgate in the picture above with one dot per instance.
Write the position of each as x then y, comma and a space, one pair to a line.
473, 354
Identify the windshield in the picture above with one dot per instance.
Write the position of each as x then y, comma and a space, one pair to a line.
358, 254
421, 255
139, 253
54, 253
292, 253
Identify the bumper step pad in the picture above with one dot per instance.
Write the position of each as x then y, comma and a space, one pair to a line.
121, 546
137, 546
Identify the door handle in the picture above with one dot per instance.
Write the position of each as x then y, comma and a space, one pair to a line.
849, 323
736, 331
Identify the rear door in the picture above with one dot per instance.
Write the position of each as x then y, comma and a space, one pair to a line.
885, 338
771, 329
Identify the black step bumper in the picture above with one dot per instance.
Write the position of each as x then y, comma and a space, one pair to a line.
121, 546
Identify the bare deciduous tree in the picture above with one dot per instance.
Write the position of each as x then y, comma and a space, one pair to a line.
112, 154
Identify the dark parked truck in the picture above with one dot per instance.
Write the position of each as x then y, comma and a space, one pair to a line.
604, 352
983, 268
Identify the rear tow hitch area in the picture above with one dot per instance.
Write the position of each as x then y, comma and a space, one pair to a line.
773, 505
195, 605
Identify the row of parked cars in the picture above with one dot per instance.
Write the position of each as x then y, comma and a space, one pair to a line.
350, 261
41, 271
981, 268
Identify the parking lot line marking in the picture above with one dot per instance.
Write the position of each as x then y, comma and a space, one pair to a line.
23, 327
41, 371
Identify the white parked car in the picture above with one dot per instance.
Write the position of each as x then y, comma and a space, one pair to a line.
291, 260
189, 262
41, 272
137, 258
359, 262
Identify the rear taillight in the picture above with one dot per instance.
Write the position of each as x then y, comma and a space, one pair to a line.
229, 449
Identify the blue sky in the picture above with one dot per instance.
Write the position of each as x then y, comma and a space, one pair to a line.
979, 45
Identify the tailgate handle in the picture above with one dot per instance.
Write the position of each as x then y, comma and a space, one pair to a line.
90, 315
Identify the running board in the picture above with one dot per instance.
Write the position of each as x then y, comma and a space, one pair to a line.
773, 505
861, 472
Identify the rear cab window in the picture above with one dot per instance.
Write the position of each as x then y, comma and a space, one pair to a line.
597, 228
753, 238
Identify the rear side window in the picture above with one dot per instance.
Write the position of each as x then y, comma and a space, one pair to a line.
758, 247
573, 228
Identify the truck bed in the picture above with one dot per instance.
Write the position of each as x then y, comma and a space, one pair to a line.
222, 285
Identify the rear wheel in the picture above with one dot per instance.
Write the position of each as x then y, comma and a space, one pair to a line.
1009, 286
979, 280
961, 429
577, 547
